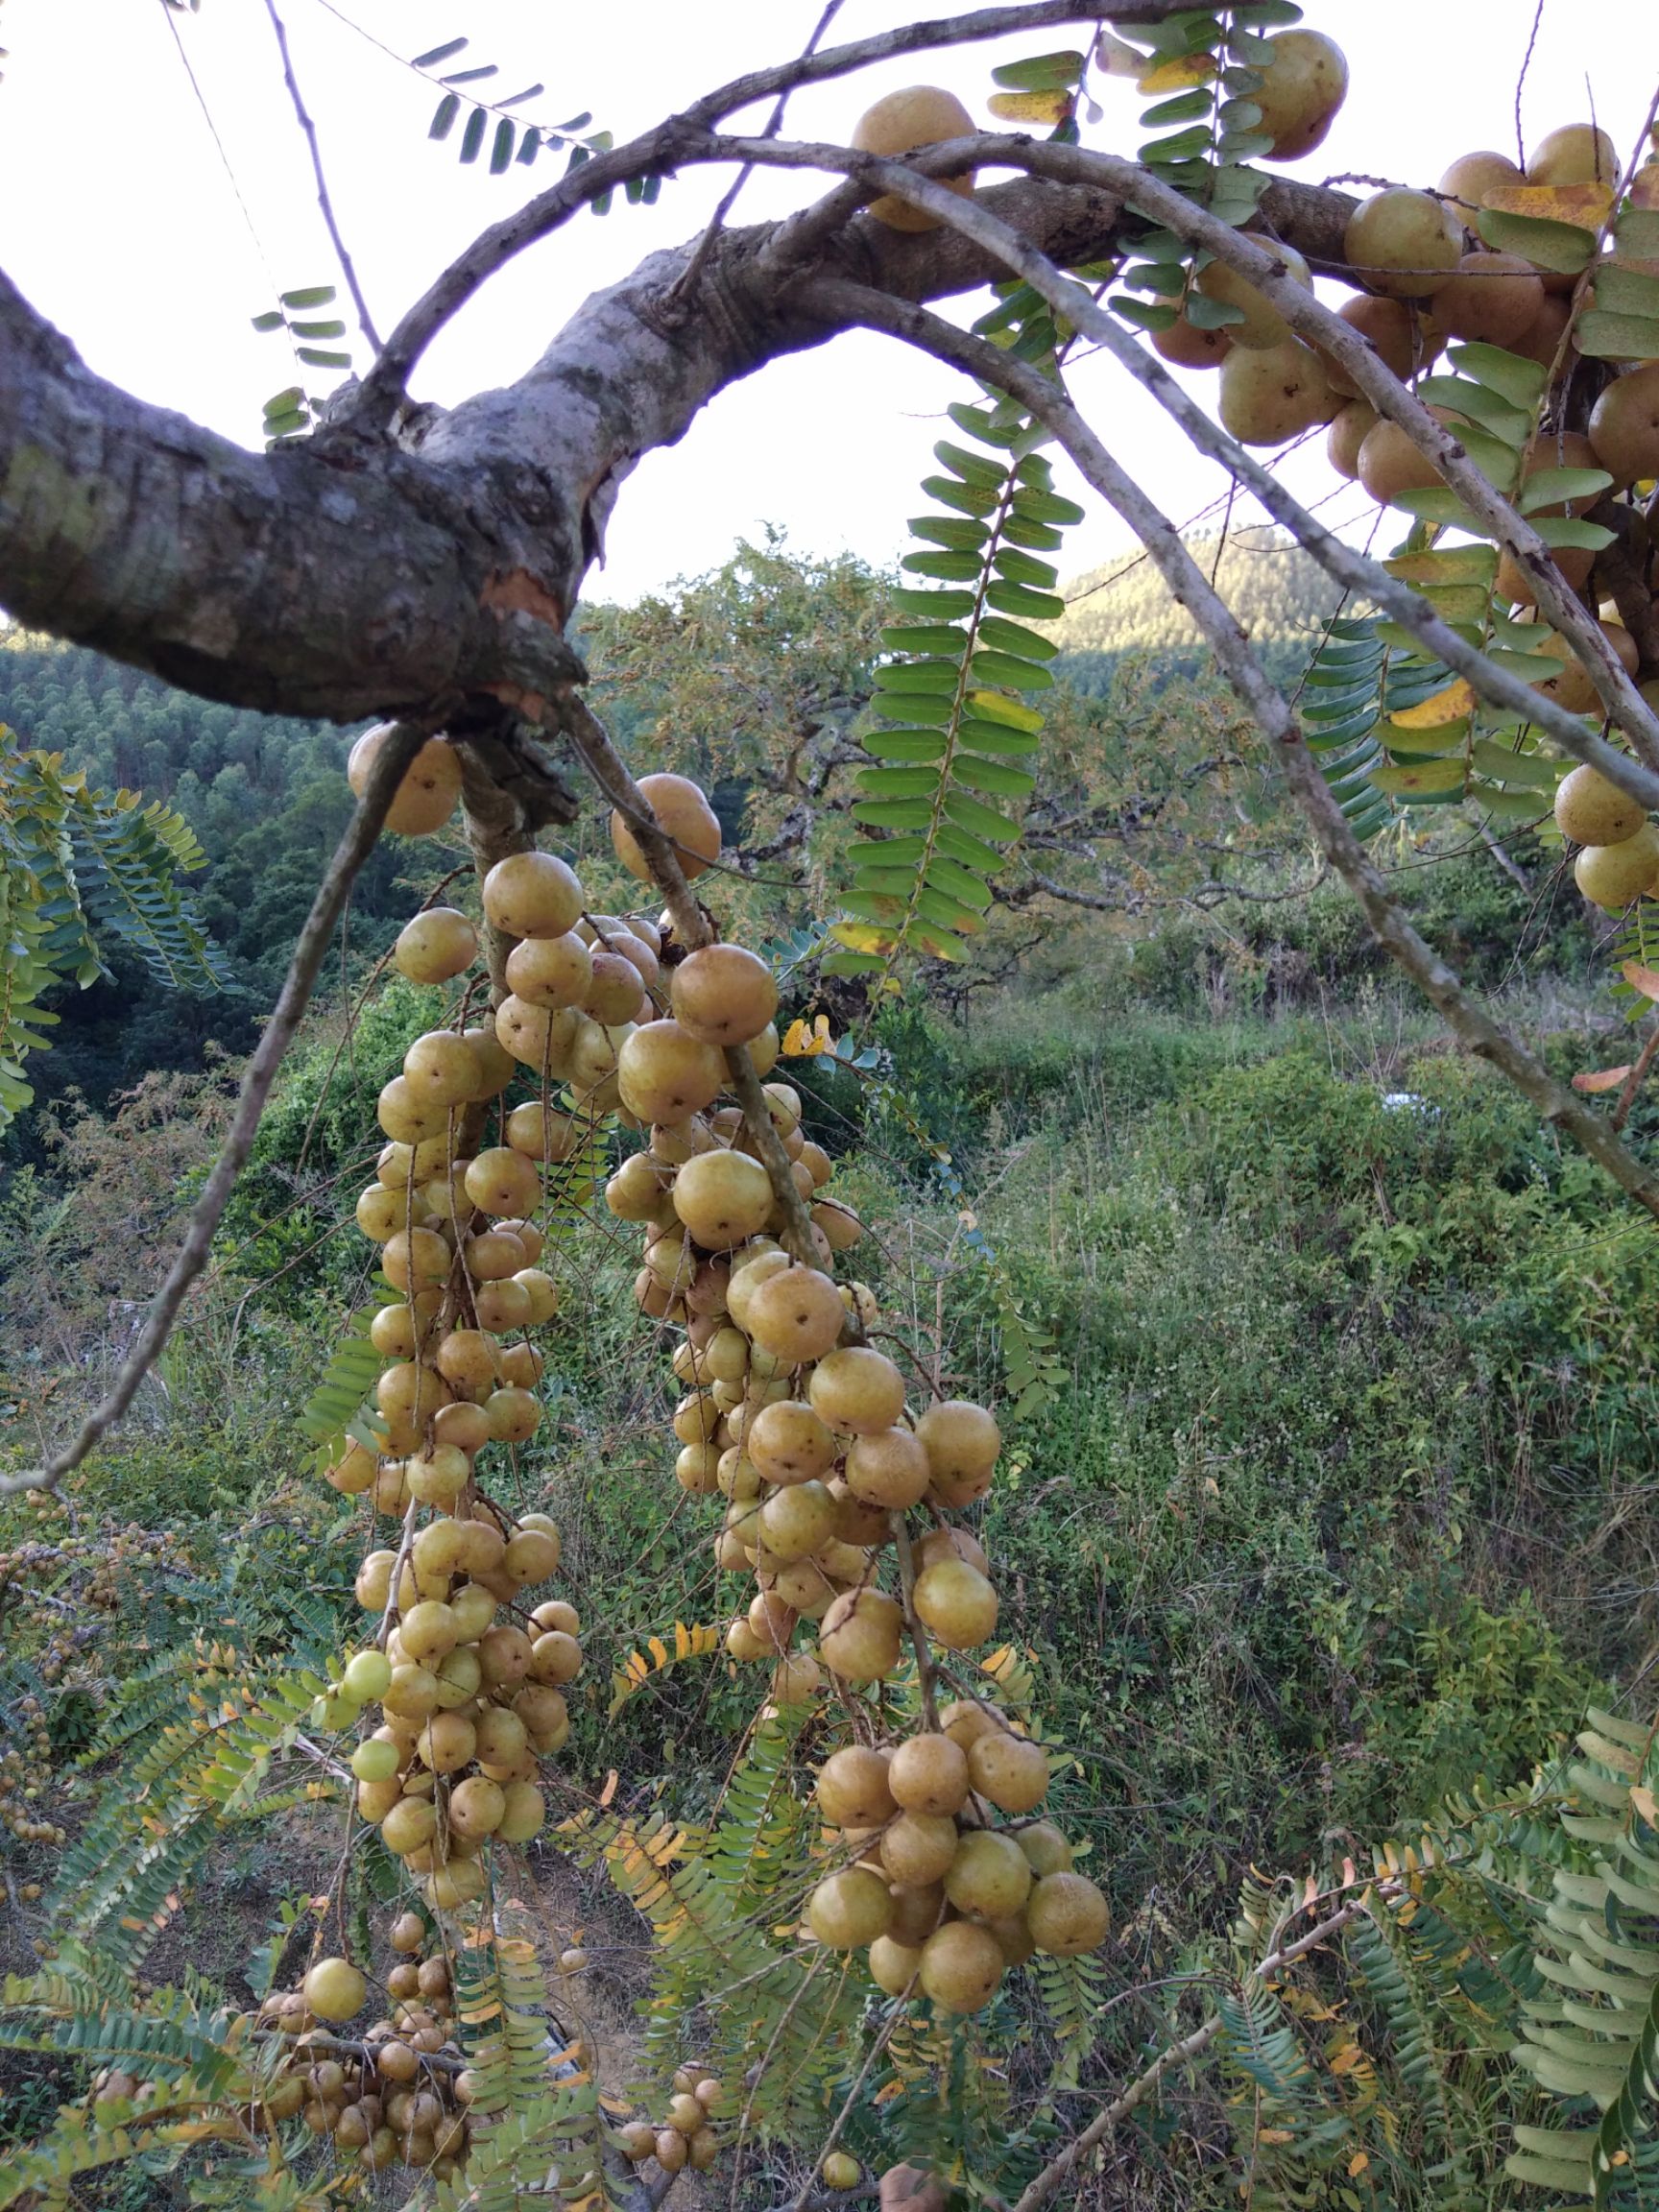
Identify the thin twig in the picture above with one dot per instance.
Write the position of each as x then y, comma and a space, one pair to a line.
686, 280
394, 757
364, 319
1521, 84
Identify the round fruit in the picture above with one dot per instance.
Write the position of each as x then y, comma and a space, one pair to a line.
1010, 1771
859, 1635
426, 798
1389, 462
1611, 875
850, 1909
989, 1877
1404, 243
1471, 176
1589, 811
961, 1441
894, 1966
724, 1198
859, 1388
665, 1074
1271, 395
1347, 434
961, 1966
1303, 86
928, 1773
1263, 326
919, 116
1625, 426
435, 946
956, 1603
1573, 687
1578, 153
1066, 1915
841, 2171
1492, 297
502, 1181
889, 1467
1047, 1851
795, 1313
551, 971
918, 1848
1394, 332
723, 995
334, 1990
532, 895
853, 1791
1187, 347
685, 819
787, 1442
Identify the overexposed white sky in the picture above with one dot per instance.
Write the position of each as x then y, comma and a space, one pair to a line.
118, 221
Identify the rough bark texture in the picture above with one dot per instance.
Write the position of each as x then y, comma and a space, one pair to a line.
432, 574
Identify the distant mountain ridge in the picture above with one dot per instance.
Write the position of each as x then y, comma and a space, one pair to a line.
1278, 591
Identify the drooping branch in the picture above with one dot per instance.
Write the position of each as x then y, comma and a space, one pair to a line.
1353, 570
353, 849
1466, 1018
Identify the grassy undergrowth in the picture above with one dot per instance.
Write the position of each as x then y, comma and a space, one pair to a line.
1347, 1501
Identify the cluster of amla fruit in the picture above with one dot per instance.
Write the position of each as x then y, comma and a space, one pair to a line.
686, 2136
395, 2095
804, 1428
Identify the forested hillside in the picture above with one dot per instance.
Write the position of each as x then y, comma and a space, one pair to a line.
1280, 593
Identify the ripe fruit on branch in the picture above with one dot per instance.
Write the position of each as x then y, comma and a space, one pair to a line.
1303, 86
435, 946
532, 895
1575, 154
685, 817
1590, 811
431, 784
723, 995
1406, 244
1625, 426
919, 116
1612, 875
1263, 326
1272, 394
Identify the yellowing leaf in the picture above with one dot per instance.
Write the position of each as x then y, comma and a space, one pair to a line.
1032, 106
1449, 706
1358, 2164
860, 937
802, 1044
1174, 76
1587, 207
1640, 978
1601, 1079
1276, 2136
1645, 1802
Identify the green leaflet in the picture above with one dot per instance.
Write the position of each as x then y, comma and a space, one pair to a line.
77, 867
952, 713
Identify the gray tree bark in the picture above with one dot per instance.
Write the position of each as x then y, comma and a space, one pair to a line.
431, 570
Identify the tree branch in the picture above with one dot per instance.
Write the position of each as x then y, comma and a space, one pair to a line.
348, 268
353, 849
1468, 1020
383, 389
1353, 570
